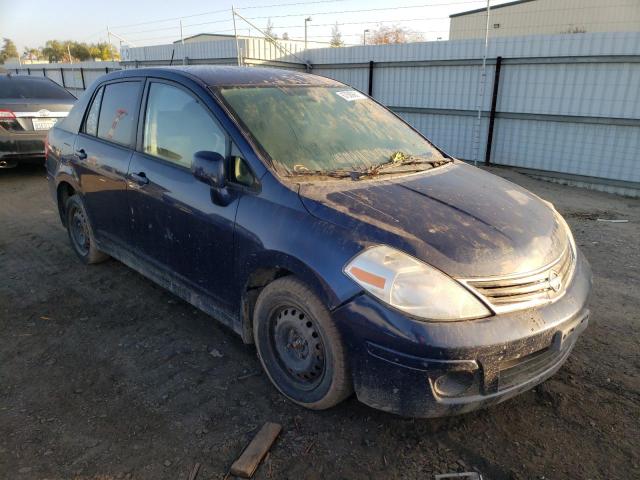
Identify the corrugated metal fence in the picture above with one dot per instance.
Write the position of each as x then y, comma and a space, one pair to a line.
566, 106
73, 77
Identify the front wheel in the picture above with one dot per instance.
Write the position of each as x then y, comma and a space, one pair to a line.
299, 346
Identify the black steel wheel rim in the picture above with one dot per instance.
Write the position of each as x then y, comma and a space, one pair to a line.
298, 346
79, 231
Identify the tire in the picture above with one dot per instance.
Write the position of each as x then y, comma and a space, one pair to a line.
80, 232
299, 346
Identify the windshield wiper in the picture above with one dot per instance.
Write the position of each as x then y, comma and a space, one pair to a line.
336, 173
396, 164
400, 159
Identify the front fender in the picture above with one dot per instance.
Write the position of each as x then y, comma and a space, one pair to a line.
271, 260
275, 232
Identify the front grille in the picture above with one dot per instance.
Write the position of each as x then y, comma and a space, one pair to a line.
516, 292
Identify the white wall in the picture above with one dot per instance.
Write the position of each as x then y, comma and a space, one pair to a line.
550, 17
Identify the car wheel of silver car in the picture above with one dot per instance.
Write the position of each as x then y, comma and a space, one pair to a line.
80, 233
299, 346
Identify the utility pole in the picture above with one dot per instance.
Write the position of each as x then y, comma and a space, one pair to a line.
110, 46
235, 34
306, 20
273, 40
122, 40
481, 88
182, 43
364, 37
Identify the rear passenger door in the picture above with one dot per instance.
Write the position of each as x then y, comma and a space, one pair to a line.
102, 154
175, 224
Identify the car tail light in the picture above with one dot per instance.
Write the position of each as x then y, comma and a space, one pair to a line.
8, 120
7, 115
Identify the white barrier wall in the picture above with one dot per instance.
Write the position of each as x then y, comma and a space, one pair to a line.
75, 77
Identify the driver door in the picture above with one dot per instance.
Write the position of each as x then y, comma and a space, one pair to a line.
174, 223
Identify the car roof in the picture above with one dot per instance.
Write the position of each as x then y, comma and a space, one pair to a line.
26, 78
219, 75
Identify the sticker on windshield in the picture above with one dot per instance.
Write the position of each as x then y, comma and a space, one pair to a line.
351, 95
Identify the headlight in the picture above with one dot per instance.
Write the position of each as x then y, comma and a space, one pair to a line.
413, 286
567, 229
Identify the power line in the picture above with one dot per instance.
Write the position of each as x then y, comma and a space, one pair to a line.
313, 25
370, 22
449, 3
364, 10
227, 10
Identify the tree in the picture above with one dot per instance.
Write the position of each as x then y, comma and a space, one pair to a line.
103, 51
8, 50
336, 37
79, 51
269, 30
32, 53
54, 51
395, 34
285, 36
58, 51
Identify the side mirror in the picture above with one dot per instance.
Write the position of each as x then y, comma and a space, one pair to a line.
209, 167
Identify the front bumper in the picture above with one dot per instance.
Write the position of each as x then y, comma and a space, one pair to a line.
21, 147
433, 369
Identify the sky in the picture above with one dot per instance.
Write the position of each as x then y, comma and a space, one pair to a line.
145, 22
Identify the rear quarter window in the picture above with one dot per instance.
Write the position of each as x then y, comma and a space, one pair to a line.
91, 124
71, 123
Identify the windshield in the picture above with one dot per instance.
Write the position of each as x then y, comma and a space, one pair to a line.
14, 87
324, 129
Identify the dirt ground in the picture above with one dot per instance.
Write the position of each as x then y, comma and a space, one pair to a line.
105, 375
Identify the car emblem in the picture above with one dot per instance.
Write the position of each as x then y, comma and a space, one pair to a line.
555, 282
44, 113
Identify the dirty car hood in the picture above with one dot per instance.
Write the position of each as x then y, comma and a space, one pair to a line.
460, 219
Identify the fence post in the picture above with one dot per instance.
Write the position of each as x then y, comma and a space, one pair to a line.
28, 71
492, 114
62, 76
82, 77
370, 78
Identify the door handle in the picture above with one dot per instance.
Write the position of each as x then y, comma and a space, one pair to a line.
82, 155
140, 178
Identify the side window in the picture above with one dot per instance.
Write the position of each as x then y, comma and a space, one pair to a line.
91, 123
118, 112
176, 126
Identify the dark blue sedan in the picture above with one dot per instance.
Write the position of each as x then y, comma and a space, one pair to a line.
315, 223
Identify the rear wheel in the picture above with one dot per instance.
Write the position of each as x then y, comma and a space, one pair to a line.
299, 346
80, 233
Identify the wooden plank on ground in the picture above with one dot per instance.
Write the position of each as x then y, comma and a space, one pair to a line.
194, 472
246, 465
